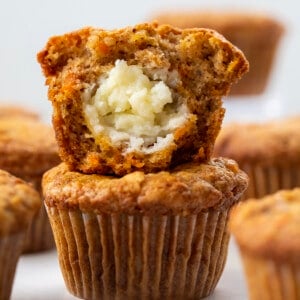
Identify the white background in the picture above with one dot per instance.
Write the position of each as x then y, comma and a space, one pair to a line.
25, 27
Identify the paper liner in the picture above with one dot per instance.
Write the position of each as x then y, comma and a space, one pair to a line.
268, 180
10, 249
39, 236
126, 257
272, 280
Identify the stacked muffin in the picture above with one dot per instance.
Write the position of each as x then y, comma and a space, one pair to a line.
138, 208
19, 202
28, 149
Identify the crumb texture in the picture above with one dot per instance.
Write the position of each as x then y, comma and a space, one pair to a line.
174, 83
130, 108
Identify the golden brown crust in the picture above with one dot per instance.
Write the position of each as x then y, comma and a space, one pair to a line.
27, 147
188, 189
16, 111
269, 227
19, 202
207, 65
257, 35
272, 143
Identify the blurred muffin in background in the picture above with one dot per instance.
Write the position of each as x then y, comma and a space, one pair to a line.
7, 110
268, 152
268, 234
27, 150
257, 35
19, 202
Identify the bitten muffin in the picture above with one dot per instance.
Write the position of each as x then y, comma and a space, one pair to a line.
138, 98
143, 236
268, 152
257, 35
27, 150
16, 111
19, 202
268, 234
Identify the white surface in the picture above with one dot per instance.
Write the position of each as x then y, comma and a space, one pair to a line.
38, 277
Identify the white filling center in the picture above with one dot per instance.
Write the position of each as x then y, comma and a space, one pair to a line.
133, 110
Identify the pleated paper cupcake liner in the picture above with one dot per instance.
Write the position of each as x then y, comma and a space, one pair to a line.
39, 236
267, 180
11, 247
271, 280
140, 257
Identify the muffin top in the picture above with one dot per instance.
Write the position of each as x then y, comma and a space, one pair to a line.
16, 111
272, 143
27, 146
269, 227
138, 98
19, 202
187, 189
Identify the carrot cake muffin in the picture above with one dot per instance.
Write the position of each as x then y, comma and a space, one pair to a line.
156, 235
269, 153
27, 150
268, 234
138, 98
257, 35
18, 204
16, 111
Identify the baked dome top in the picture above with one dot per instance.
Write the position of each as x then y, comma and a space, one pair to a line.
139, 98
269, 227
274, 142
9, 111
187, 189
19, 202
27, 146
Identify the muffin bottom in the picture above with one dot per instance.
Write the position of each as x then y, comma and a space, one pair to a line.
11, 247
39, 235
137, 257
271, 280
268, 180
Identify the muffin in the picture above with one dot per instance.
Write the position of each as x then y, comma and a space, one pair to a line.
16, 111
18, 204
268, 152
257, 35
268, 234
141, 98
156, 235
27, 150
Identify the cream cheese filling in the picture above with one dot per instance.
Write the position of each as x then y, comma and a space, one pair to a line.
132, 110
